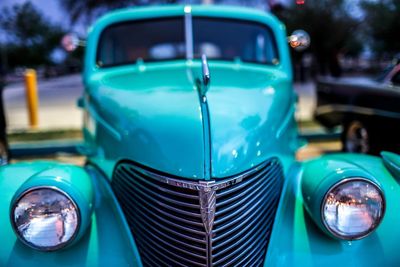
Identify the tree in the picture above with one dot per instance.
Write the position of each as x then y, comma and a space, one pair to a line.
332, 30
30, 36
89, 9
382, 20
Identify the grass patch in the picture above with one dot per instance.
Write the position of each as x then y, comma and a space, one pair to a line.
26, 136
309, 124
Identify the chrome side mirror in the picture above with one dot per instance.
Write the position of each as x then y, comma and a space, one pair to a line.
299, 40
70, 42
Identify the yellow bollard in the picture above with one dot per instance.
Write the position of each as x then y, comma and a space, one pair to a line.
32, 97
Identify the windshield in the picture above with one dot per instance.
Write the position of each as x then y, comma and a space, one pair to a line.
164, 39
147, 40
229, 39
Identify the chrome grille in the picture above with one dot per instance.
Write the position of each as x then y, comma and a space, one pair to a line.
180, 222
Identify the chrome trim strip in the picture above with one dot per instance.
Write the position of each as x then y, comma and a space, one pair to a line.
202, 185
188, 32
113, 132
321, 110
205, 115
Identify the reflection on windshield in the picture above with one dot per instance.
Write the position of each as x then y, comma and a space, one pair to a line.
148, 40
164, 39
229, 39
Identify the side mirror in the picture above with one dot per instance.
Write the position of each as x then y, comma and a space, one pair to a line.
299, 40
71, 41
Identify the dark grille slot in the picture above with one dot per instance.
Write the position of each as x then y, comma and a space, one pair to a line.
166, 206
171, 198
252, 194
232, 229
170, 225
228, 196
230, 190
164, 214
189, 194
168, 256
244, 217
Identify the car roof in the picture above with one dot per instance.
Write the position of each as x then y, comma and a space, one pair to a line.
221, 11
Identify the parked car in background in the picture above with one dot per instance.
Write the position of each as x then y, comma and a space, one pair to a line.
367, 109
190, 139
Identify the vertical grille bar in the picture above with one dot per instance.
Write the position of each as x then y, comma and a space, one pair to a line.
181, 222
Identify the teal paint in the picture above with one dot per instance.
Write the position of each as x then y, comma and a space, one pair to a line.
250, 110
173, 142
71, 180
93, 248
297, 241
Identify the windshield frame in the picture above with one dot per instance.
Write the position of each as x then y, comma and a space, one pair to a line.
189, 33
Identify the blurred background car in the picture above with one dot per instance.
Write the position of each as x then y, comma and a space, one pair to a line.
367, 109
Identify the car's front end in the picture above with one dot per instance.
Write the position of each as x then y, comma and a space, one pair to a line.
191, 159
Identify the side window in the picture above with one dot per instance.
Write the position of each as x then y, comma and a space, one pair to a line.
396, 79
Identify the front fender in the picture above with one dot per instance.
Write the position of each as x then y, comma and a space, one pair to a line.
297, 241
106, 242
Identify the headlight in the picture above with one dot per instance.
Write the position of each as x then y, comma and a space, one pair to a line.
353, 208
45, 218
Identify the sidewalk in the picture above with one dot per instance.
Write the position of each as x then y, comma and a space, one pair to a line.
58, 110
307, 101
57, 104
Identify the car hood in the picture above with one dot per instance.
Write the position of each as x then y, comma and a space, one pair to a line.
157, 116
249, 109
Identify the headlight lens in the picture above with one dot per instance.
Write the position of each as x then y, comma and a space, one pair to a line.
353, 209
45, 218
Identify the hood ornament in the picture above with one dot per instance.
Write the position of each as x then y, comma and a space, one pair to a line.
206, 78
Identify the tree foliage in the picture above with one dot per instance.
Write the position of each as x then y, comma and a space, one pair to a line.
30, 37
332, 30
382, 20
89, 9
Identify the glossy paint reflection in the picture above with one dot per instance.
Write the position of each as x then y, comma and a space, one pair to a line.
156, 113
248, 106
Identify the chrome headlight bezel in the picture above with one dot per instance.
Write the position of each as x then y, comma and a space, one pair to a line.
42, 248
361, 235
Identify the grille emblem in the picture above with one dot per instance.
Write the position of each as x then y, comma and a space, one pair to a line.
207, 207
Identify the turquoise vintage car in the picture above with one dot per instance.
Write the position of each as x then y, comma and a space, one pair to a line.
190, 140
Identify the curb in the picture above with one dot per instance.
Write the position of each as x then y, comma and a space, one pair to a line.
318, 137
44, 148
